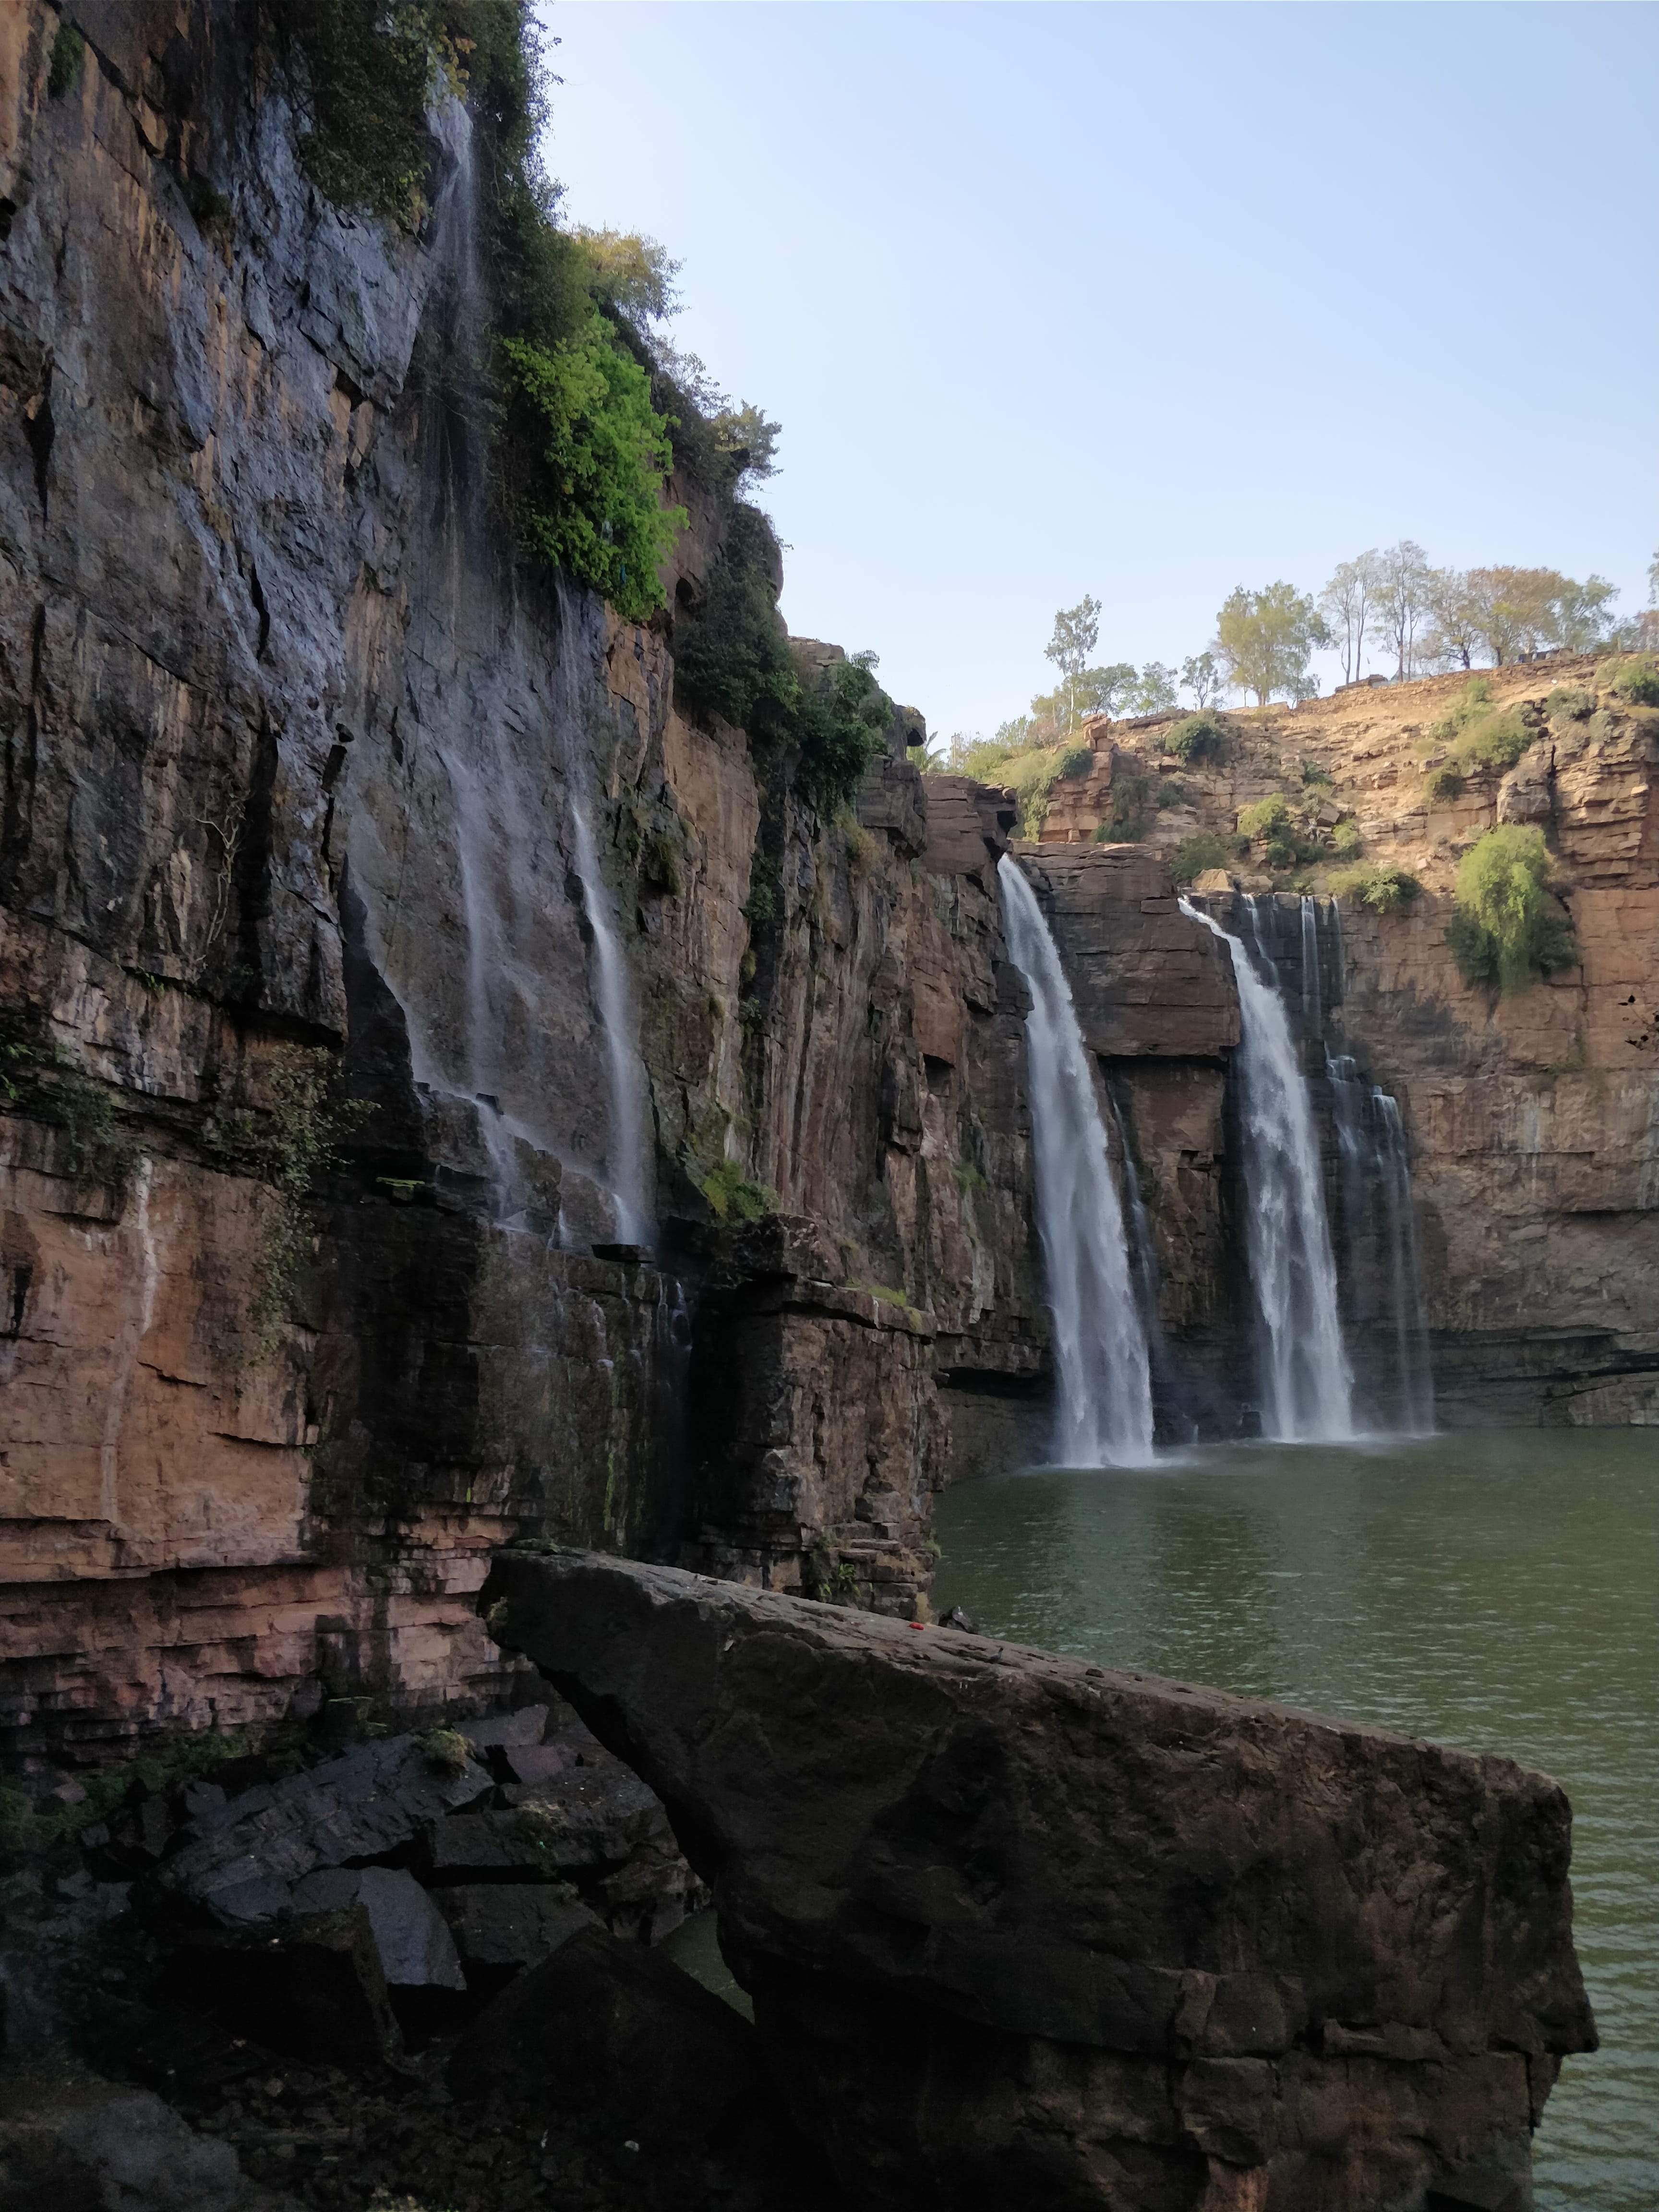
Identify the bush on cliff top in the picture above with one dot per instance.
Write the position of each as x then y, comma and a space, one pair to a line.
733, 657
1507, 929
1383, 887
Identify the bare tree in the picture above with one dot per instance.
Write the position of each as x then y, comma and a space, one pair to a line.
1401, 600
1346, 603
1077, 633
1203, 676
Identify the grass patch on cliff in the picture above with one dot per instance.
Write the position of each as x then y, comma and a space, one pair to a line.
729, 1193
1385, 889
1507, 929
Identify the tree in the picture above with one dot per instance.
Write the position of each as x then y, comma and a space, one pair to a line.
1201, 675
1077, 633
1583, 621
1155, 688
1344, 603
1264, 640
1455, 635
1402, 599
1105, 690
1507, 928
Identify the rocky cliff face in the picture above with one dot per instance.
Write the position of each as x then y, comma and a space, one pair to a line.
1532, 1122
317, 808
313, 1284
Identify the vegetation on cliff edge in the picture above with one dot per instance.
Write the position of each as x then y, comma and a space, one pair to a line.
1507, 929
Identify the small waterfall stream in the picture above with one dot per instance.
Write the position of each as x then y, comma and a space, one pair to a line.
1102, 1371
1307, 1385
615, 999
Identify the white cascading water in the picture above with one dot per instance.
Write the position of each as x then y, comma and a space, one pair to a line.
624, 1072
1411, 1318
1105, 1383
1307, 1386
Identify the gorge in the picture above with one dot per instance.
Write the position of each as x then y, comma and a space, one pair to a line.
461, 1091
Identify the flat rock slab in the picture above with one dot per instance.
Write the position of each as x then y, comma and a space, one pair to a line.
1098, 1935
247, 1854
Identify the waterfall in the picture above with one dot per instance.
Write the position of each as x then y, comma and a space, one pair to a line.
1307, 1386
1378, 1217
1411, 1320
1104, 1381
1313, 1014
624, 1072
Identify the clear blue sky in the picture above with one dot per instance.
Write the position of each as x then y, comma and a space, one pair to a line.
1144, 300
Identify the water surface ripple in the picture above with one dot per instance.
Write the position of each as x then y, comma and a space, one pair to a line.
1496, 1590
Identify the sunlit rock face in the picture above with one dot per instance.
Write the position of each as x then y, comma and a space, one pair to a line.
1022, 1931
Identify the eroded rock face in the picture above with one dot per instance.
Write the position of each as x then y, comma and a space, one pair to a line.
1019, 1930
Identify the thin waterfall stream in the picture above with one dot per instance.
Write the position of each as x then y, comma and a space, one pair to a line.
1307, 1384
1102, 1367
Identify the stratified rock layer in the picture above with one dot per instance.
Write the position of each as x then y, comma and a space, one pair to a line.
1022, 1932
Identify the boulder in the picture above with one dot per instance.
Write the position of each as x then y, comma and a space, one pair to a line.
316, 1988
411, 1937
1020, 1930
612, 2030
74, 2143
245, 1857
510, 1923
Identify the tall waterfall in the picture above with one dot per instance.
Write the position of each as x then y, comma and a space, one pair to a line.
1411, 1320
622, 1060
1307, 1386
1105, 1409
613, 994
1379, 1218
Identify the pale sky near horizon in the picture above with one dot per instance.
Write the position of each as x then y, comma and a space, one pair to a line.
1143, 301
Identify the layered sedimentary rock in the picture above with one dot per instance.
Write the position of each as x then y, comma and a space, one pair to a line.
291, 868
1533, 1121
1019, 1930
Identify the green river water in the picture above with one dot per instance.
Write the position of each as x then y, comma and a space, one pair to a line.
1499, 1590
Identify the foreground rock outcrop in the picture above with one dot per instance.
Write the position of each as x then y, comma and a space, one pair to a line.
1022, 1932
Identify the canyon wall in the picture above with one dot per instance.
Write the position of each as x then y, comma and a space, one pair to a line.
314, 1289
1532, 1120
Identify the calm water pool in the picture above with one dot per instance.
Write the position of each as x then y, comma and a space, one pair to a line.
1499, 1590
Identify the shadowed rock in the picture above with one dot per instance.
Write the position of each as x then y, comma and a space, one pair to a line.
1022, 1931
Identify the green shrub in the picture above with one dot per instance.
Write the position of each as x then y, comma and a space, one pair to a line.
596, 509
1569, 703
68, 53
1269, 817
1472, 701
733, 657
1507, 928
1316, 777
1636, 681
1495, 740
1198, 738
1346, 842
1196, 853
368, 74
1445, 782
1384, 889
1075, 761
729, 1193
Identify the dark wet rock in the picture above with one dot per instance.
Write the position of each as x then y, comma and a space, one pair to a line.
615, 2031
585, 1817
246, 1855
317, 1987
512, 1924
73, 2143
411, 1937
1019, 1930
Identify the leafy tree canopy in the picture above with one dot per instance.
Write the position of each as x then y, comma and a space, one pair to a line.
1264, 640
1507, 929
